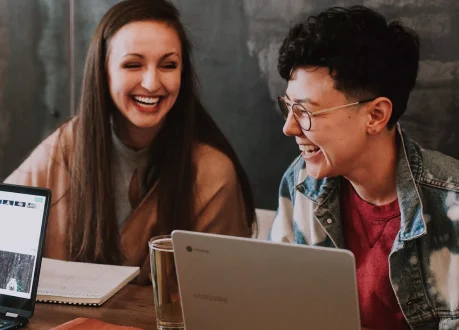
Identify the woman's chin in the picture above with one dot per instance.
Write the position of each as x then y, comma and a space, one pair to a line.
145, 121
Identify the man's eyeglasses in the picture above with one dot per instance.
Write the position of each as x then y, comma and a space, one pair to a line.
303, 116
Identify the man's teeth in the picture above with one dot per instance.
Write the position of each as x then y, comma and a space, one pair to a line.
147, 100
308, 148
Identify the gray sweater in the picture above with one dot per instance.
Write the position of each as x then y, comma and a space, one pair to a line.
125, 161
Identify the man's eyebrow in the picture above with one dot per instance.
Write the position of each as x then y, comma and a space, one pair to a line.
305, 100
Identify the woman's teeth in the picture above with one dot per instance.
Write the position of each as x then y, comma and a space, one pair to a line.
146, 101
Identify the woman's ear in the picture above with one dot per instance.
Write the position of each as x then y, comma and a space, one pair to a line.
379, 113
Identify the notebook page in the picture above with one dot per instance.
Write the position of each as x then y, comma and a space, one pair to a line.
80, 280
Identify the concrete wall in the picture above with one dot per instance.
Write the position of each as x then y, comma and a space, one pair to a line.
237, 59
33, 75
236, 49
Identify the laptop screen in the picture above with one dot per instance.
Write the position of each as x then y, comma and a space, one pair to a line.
21, 218
23, 214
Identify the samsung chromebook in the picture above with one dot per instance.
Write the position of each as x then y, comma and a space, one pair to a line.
23, 218
230, 283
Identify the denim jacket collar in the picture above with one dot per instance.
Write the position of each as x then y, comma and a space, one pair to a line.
409, 169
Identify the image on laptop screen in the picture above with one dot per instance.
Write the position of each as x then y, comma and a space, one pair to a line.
21, 220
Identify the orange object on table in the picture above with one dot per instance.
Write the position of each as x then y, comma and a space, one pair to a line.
83, 323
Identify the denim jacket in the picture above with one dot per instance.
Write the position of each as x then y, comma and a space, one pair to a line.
424, 260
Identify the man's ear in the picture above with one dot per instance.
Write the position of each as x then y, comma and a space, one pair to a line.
379, 112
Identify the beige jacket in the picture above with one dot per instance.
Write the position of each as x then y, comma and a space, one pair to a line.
219, 202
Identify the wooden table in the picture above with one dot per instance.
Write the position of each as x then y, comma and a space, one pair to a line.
131, 306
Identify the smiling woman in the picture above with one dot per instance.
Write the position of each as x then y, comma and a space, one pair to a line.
144, 81
142, 157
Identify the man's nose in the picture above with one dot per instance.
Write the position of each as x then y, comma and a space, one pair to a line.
291, 126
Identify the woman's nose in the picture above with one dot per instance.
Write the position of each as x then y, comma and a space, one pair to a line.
150, 80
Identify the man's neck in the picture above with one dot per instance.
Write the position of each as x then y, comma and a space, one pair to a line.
375, 179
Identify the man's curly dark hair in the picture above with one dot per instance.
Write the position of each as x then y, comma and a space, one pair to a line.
366, 55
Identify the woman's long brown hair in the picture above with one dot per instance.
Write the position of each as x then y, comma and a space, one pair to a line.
93, 234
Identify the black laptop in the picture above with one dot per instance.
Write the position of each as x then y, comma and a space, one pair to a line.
23, 218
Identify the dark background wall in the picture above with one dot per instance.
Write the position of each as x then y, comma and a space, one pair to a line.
33, 75
43, 47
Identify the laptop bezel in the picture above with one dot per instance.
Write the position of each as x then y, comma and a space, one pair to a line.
24, 307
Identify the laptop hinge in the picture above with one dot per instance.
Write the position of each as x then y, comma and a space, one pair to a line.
8, 314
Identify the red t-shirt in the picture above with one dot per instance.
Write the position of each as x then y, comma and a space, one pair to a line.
369, 232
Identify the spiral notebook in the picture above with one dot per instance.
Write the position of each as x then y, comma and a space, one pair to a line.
81, 283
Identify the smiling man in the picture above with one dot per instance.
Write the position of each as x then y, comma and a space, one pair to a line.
360, 183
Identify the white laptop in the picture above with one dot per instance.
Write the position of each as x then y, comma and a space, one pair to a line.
230, 283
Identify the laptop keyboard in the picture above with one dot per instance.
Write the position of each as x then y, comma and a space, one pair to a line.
6, 324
